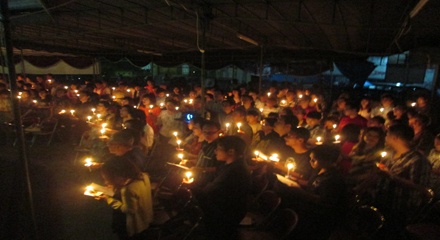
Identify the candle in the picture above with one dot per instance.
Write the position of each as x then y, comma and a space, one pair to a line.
261, 109
337, 137
175, 134
19, 93
335, 126
167, 95
180, 156
300, 96
188, 175
382, 109
268, 94
89, 118
76, 91
34, 101
178, 143
151, 106
19, 97
99, 116
283, 102
177, 108
102, 131
128, 90
114, 97
113, 88
104, 125
318, 141
62, 111
72, 112
413, 104
66, 87
257, 154
49, 81
227, 126
274, 157
191, 101
185, 100
161, 104
239, 126
315, 100
383, 154
93, 110
89, 162
289, 168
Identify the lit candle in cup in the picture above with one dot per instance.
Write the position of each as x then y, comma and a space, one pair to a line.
128, 90
62, 111
318, 141
99, 116
300, 96
72, 112
66, 87
382, 109
175, 134
167, 95
161, 104
283, 102
335, 126
191, 101
383, 154
34, 101
274, 157
268, 94
413, 104
180, 156
261, 109
227, 126
177, 108
113, 88
188, 176
113, 97
239, 126
89, 162
315, 100
178, 143
93, 110
257, 154
104, 125
185, 100
102, 131
89, 118
337, 137
289, 168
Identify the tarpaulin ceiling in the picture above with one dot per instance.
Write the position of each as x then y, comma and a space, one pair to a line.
171, 31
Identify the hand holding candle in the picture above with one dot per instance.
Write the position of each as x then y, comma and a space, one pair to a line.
290, 167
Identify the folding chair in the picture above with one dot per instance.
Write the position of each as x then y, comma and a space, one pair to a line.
265, 206
47, 127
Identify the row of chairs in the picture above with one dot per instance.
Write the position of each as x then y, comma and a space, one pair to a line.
33, 129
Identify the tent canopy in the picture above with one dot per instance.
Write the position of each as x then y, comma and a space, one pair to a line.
170, 31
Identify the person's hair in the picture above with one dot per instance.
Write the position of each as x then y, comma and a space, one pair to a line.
240, 111
172, 101
402, 131
233, 142
350, 132
326, 153
301, 133
128, 99
198, 120
122, 137
351, 105
386, 96
131, 110
270, 121
253, 112
119, 166
422, 119
314, 115
380, 143
378, 119
210, 123
290, 119
136, 128
287, 111
151, 97
105, 104
139, 114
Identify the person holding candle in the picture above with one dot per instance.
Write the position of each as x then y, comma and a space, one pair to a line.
313, 120
132, 202
366, 154
403, 181
148, 105
122, 144
224, 199
351, 116
239, 126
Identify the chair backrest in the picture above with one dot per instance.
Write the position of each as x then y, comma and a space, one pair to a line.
283, 223
269, 201
48, 125
365, 220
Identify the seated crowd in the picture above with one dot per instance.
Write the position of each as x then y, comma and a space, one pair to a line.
339, 155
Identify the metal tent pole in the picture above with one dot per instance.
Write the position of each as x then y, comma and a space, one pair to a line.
22, 173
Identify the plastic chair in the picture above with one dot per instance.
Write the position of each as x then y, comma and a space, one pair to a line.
280, 227
266, 205
47, 127
184, 225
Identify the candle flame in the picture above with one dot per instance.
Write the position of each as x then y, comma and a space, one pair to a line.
180, 155
383, 154
188, 174
290, 166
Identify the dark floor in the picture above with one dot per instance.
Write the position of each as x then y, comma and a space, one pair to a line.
61, 209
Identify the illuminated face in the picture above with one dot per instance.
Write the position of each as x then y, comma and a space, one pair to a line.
124, 112
210, 133
314, 162
371, 138
146, 101
220, 153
